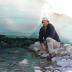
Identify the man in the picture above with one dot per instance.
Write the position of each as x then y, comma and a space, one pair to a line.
48, 39
47, 30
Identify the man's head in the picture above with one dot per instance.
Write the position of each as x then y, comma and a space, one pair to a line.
45, 21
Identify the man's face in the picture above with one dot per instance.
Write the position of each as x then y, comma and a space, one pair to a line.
45, 22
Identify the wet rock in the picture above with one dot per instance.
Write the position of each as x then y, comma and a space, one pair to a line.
35, 47
23, 62
65, 63
37, 69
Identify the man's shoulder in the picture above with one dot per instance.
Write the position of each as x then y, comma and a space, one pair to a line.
50, 25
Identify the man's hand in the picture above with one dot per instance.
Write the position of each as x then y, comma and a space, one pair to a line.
44, 46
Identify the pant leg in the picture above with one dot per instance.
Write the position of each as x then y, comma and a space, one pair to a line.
52, 44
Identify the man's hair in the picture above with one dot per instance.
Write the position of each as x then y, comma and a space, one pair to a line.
45, 19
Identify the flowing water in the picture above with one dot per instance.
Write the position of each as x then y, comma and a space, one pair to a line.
10, 59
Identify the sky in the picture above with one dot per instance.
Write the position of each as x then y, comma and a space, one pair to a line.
19, 16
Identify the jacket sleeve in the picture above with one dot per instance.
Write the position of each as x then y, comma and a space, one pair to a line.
41, 36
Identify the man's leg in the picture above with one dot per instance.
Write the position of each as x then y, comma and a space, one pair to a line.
52, 44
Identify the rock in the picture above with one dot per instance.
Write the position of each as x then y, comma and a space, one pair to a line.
37, 69
44, 55
23, 62
65, 63
36, 49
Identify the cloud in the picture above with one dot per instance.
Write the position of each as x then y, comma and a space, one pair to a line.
10, 24
5, 2
61, 6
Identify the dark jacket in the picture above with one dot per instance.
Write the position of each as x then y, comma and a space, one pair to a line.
50, 32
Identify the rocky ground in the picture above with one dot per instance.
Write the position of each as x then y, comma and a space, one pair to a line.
23, 60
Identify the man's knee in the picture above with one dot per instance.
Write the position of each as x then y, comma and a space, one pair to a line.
49, 39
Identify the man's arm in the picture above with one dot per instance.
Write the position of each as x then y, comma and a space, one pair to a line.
43, 45
41, 40
41, 35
